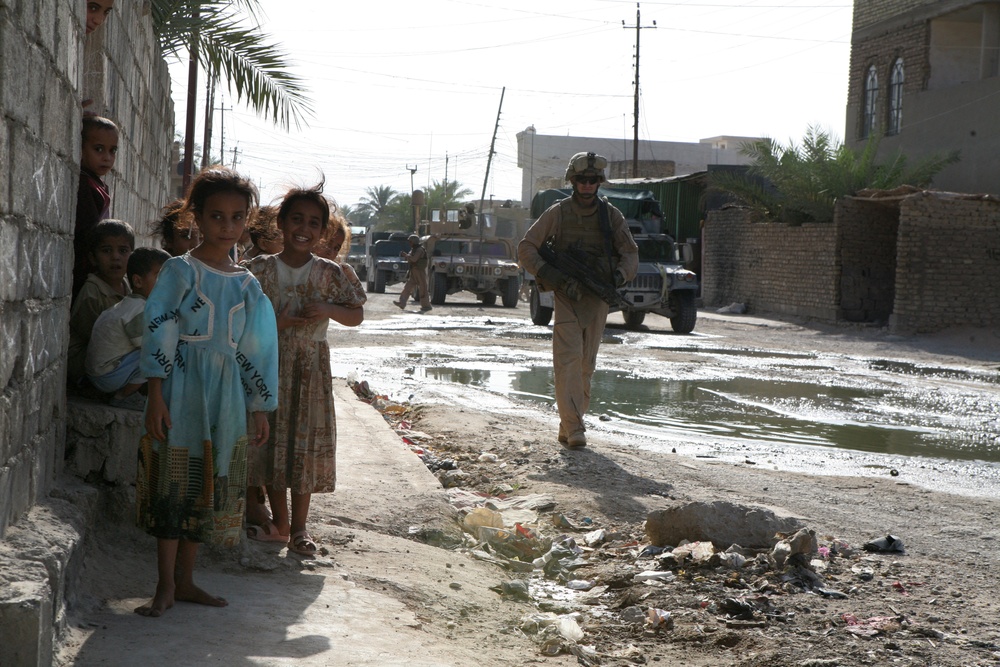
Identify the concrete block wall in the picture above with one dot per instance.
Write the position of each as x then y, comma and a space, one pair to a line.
42, 86
948, 263
39, 158
45, 58
771, 267
129, 82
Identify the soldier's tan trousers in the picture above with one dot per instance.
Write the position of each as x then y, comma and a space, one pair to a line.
418, 279
576, 336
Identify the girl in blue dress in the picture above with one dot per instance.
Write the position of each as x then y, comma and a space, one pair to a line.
210, 354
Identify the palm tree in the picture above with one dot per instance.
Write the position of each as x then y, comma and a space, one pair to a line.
256, 71
377, 199
797, 184
446, 195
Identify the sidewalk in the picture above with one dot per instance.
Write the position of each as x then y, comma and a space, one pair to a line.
343, 608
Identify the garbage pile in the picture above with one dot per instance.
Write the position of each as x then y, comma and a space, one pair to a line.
692, 572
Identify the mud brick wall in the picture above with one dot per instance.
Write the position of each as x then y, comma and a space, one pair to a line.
948, 263
867, 238
869, 12
42, 66
771, 267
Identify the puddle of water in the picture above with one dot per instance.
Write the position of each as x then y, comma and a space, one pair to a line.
907, 368
861, 419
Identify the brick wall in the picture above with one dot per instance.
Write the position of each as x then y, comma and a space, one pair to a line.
871, 12
948, 271
771, 267
42, 69
867, 239
920, 263
908, 43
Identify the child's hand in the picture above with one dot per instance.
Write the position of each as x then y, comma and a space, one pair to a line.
316, 311
286, 319
261, 429
157, 416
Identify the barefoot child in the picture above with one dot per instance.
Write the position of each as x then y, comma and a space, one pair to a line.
210, 354
307, 292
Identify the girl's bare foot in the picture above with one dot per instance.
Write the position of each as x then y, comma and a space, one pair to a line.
191, 593
162, 601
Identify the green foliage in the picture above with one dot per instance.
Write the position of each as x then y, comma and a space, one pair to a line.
797, 184
446, 195
255, 70
375, 202
398, 215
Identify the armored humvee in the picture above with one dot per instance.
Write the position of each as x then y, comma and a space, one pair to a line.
473, 260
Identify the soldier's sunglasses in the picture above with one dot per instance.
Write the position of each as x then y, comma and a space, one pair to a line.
588, 180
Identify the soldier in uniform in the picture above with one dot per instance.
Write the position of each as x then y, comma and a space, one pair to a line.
589, 224
417, 257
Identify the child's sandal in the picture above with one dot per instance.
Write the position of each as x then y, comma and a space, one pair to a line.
302, 544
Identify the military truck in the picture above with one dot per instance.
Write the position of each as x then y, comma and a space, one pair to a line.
357, 255
384, 266
472, 260
662, 285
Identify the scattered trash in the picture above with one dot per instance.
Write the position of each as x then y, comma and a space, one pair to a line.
802, 542
654, 575
871, 626
887, 544
734, 308
658, 618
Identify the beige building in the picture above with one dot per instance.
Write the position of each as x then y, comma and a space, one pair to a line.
543, 158
924, 75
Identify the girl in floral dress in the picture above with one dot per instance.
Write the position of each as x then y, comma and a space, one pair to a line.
307, 292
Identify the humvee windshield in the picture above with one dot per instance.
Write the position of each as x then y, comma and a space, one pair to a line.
390, 248
660, 249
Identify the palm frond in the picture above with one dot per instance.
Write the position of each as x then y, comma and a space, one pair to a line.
256, 71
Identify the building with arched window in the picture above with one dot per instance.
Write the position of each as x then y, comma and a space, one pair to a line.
938, 64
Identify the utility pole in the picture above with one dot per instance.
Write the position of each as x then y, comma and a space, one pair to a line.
413, 204
635, 114
206, 146
222, 132
192, 104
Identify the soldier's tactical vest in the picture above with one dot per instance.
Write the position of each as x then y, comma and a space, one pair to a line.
584, 232
421, 264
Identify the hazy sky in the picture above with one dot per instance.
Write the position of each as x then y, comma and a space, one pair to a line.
400, 84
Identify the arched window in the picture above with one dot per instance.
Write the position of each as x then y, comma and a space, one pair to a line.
870, 109
896, 97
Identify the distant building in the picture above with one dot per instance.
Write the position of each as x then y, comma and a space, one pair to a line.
924, 75
543, 158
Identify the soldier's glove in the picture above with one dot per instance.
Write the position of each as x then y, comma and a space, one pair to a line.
619, 278
572, 289
556, 279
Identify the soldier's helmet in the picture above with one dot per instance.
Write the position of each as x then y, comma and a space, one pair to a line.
413, 237
586, 164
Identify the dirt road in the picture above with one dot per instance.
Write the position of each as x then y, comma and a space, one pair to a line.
475, 382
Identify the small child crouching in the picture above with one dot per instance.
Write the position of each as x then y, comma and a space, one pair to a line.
112, 362
108, 246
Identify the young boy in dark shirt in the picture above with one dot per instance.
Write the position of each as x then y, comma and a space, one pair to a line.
93, 200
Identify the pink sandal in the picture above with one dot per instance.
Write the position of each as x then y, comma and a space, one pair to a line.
302, 543
266, 533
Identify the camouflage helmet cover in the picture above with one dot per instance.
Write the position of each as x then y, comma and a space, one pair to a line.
586, 164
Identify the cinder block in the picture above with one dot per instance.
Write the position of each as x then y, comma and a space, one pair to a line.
10, 236
26, 619
6, 163
101, 440
24, 196
10, 342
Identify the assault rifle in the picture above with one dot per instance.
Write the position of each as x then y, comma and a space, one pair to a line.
571, 263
